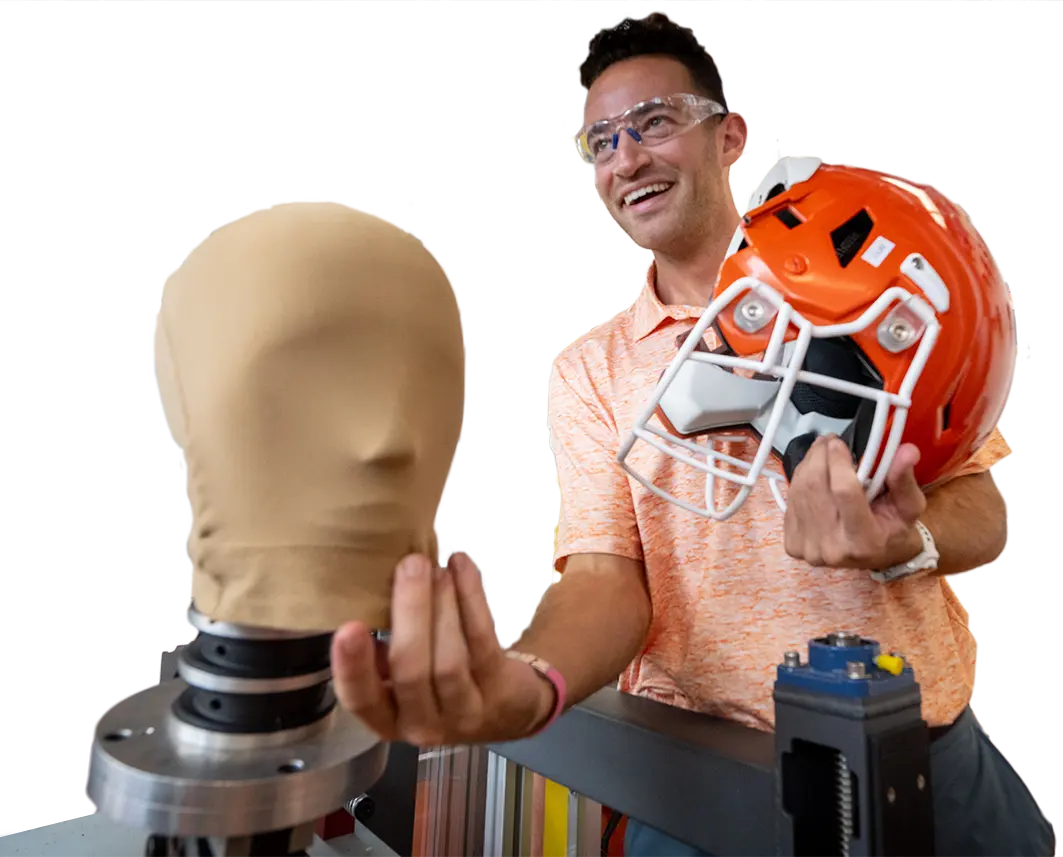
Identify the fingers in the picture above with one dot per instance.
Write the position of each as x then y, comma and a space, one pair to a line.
812, 478
410, 657
850, 499
793, 537
460, 701
840, 470
426, 687
831, 523
357, 680
829, 520
809, 507
483, 647
904, 491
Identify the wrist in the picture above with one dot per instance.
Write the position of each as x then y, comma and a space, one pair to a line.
546, 703
923, 560
550, 700
904, 547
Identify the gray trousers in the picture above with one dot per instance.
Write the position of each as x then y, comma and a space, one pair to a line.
981, 806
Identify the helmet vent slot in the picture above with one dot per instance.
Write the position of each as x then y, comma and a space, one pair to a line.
775, 191
851, 236
789, 217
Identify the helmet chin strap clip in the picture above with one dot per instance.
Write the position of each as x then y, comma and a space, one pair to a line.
795, 453
855, 437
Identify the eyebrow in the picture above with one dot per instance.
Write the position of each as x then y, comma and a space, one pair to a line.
592, 125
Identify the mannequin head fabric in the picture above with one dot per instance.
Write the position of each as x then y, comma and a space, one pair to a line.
311, 366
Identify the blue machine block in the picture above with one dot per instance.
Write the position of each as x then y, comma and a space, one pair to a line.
843, 665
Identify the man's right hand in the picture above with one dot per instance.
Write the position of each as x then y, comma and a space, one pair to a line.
443, 678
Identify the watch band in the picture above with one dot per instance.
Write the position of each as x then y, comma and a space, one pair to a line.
549, 673
925, 560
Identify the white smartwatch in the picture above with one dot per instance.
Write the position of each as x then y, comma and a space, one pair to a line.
925, 560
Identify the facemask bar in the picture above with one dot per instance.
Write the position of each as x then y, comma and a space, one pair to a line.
896, 302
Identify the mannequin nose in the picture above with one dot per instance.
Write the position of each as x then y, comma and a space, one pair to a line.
390, 449
391, 457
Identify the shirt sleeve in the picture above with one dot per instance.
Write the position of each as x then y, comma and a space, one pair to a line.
597, 510
990, 452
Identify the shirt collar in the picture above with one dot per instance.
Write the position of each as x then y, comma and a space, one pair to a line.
649, 312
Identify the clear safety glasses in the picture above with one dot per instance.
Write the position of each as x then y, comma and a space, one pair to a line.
649, 123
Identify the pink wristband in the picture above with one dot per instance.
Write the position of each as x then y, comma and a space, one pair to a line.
551, 675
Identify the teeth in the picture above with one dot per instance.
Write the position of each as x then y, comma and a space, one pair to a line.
636, 195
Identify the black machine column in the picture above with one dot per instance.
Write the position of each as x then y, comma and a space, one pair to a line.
852, 753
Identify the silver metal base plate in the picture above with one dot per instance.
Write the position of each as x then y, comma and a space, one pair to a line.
153, 772
96, 836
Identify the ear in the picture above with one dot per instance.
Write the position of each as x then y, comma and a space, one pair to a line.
733, 136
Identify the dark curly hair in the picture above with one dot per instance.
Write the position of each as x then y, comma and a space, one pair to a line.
654, 35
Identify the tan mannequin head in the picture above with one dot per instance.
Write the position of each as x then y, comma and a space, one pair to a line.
311, 366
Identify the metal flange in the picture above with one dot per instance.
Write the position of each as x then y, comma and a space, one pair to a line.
153, 772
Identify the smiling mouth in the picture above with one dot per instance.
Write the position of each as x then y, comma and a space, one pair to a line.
635, 197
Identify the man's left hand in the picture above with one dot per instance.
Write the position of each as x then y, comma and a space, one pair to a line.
829, 521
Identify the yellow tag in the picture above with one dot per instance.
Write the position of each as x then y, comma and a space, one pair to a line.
890, 664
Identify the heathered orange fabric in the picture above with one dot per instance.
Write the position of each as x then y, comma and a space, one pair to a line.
728, 601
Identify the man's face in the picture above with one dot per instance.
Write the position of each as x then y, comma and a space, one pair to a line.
692, 165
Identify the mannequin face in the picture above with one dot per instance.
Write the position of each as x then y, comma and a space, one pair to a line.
311, 366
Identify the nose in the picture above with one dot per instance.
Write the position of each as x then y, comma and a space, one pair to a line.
389, 444
392, 452
630, 155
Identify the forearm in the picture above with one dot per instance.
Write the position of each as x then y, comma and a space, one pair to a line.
592, 623
968, 519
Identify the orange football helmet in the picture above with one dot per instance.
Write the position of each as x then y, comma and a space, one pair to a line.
850, 302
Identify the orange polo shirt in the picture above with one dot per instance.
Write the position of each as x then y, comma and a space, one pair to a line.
728, 601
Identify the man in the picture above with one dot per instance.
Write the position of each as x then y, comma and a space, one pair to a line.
688, 612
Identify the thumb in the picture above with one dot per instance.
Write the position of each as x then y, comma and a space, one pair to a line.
904, 491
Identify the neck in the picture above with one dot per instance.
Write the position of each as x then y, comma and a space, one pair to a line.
688, 277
